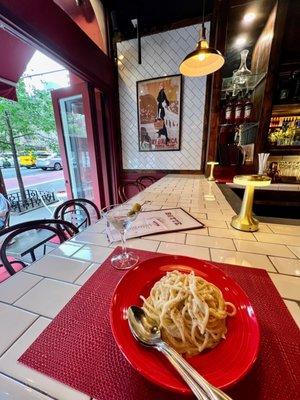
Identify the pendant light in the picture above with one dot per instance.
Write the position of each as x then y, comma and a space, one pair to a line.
204, 60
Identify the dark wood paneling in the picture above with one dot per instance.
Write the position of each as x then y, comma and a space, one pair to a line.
272, 75
219, 23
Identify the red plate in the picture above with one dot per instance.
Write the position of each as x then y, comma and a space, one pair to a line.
222, 366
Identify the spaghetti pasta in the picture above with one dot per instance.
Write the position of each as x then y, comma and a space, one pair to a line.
190, 311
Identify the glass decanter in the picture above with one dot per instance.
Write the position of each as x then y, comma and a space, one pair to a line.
242, 75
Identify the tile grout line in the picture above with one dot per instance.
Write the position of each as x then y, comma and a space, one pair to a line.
273, 263
29, 326
83, 273
29, 386
28, 273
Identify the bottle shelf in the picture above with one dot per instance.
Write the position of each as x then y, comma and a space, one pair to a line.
286, 109
247, 125
252, 82
284, 150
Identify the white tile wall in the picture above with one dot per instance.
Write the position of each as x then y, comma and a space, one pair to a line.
161, 55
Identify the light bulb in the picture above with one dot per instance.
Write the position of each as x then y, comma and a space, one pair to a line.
249, 17
201, 57
240, 41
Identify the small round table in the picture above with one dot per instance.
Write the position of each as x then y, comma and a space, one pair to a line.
245, 221
212, 165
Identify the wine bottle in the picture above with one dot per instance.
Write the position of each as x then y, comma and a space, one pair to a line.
239, 112
229, 112
248, 106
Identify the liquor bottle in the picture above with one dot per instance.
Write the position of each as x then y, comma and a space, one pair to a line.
248, 106
239, 112
229, 112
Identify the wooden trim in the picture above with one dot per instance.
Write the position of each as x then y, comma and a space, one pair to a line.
219, 23
272, 75
110, 103
162, 171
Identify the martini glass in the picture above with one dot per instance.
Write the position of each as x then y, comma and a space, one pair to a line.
121, 217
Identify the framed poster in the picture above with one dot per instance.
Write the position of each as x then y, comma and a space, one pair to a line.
159, 113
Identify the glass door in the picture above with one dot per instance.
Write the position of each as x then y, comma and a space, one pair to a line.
76, 145
72, 109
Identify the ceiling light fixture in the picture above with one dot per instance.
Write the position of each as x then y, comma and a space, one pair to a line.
204, 60
249, 17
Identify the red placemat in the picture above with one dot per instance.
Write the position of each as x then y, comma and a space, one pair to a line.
78, 348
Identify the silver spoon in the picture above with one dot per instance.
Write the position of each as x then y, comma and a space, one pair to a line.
145, 331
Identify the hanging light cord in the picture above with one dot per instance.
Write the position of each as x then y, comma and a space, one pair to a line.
203, 34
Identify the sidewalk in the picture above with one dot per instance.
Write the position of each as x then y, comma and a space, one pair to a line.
40, 213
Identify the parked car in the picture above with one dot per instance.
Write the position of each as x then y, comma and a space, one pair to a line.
51, 162
29, 160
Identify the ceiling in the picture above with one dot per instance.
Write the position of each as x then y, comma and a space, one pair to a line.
154, 15
236, 28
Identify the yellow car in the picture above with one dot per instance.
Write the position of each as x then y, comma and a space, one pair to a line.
29, 160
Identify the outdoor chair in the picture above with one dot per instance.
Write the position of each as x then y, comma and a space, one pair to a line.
17, 265
63, 230
129, 189
80, 212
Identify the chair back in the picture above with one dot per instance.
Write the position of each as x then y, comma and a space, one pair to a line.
80, 212
129, 189
146, 180
62, 229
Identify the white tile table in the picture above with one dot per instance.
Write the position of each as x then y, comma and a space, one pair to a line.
32, 297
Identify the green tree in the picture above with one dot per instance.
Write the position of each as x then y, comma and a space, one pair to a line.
27, 117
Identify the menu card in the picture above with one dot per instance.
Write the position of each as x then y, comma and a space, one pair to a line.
157, 221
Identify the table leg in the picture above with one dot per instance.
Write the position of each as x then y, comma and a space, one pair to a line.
32, 255
245, 220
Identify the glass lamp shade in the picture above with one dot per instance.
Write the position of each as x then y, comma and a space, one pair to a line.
202, 61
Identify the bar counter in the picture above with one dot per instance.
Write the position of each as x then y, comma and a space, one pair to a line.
30, 299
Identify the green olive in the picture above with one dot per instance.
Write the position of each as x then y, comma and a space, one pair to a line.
136, 207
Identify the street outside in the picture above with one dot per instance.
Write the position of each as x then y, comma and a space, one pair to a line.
34, 178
